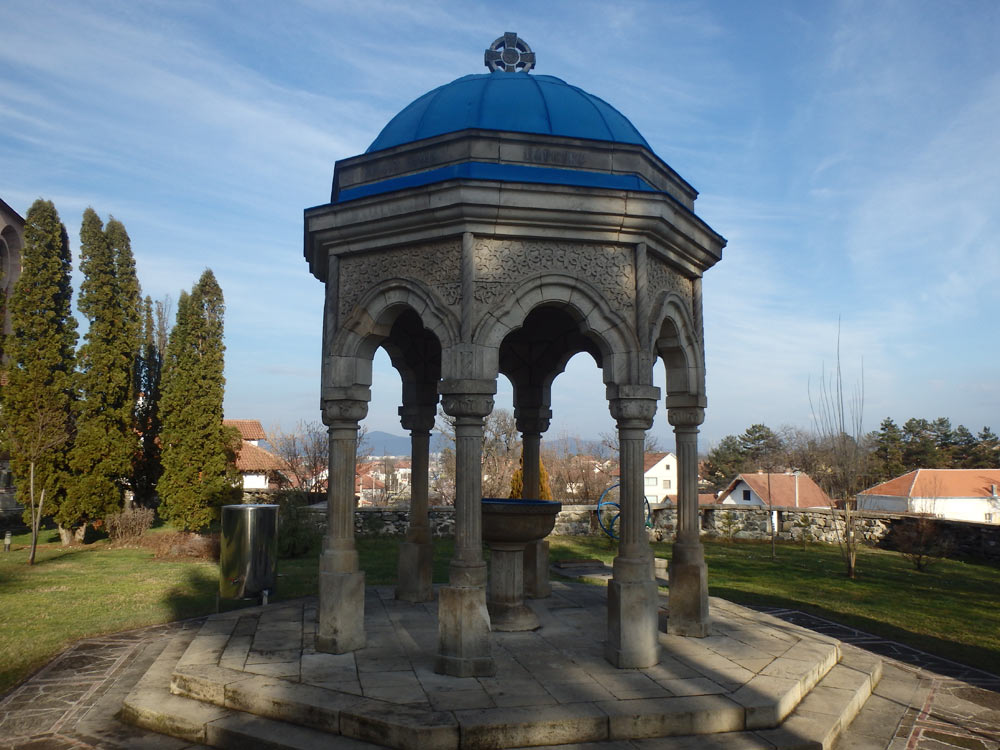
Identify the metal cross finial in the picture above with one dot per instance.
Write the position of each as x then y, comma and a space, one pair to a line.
510, 54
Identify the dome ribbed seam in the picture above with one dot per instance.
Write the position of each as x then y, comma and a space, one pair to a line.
545, 102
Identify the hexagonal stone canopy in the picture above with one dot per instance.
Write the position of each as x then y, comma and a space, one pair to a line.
503, 223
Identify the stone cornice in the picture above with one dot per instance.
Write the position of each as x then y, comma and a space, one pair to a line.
512, 210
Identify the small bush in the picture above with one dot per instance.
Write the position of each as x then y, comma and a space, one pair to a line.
298, 530
184, 544
921, 541
129, 525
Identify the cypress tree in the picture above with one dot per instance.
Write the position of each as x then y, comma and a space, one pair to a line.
106, 441
198, 452
38, 399
146, 469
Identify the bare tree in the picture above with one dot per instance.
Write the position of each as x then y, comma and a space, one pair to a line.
839, 419
501, 452
38, 431
304, 451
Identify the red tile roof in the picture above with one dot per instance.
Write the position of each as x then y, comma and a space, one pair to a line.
250, 429
940, 483
252, 459
782, 495
652, 459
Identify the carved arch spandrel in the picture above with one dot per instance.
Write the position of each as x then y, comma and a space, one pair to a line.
371, 320
435, 265
612, 332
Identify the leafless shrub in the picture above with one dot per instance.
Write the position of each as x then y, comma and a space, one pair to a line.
128, 526
180, 544
921, 540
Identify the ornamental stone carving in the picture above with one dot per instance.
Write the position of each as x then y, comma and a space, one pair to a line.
437, 265
502, 264
686, 416
344, 410
662, 277
633, 412
466, 404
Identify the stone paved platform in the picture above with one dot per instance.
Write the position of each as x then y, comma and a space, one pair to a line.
772, 683
74, 702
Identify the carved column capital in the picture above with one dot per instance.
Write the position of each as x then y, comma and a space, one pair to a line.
687, 416
633, 413
532, 421
337, 411
467, 404
417, 417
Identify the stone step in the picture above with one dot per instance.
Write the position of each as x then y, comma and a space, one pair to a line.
226, 708
815, 724
151, 705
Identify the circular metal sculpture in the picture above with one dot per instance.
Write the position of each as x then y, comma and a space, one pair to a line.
509, 54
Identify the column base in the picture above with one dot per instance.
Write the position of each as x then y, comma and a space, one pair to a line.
416, 563
688, 591
512, 618
536, 570
633, 633
341, 625
464, 648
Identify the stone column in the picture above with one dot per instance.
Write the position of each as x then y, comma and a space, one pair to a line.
632, 594
531, 423
463, 620
688, 572
416, 553
341, 583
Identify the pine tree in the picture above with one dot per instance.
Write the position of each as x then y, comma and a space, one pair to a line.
761, 447
724, 462
146, 469
920, 450
198, 452
102, 454
888, 451
38, 399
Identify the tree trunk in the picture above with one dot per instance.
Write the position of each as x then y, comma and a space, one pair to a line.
36, 517
66, 536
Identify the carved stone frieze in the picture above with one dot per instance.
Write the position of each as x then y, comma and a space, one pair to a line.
661, 277
437, 264
501, 264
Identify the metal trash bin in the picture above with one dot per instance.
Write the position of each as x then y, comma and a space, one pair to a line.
248, 551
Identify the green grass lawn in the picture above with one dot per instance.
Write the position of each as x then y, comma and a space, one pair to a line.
77, 592
950, 610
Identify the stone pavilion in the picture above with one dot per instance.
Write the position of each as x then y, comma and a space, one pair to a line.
503, 223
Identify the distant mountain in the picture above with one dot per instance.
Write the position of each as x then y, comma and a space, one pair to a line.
386, 444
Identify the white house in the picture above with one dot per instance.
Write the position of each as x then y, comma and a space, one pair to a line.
954, 494
787, 490
259, 468
660, 477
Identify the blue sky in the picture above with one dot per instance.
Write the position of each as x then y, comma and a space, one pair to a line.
848, 151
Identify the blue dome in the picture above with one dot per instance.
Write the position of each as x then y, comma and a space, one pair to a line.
518, 102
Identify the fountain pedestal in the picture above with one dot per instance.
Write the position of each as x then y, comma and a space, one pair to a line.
508, 527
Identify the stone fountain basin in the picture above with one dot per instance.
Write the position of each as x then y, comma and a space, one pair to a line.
518, 521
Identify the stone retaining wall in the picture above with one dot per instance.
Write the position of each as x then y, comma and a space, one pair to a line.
967, 540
